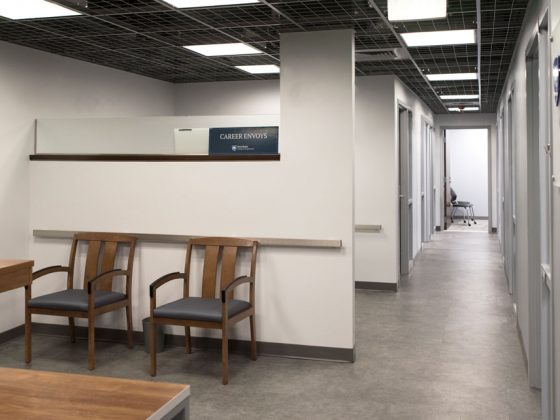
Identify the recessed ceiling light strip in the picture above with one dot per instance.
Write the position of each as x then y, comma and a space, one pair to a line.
388, 24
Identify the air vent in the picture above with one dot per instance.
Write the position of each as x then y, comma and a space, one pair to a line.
389, 54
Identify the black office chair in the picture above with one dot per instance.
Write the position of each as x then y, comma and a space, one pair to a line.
467, 206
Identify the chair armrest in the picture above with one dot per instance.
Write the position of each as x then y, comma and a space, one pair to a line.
164, 279
49, 270
234, 284
104, 276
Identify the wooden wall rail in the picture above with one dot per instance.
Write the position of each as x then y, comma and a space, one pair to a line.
149, 158
153, 237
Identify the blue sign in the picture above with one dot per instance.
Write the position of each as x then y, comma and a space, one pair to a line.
243, 140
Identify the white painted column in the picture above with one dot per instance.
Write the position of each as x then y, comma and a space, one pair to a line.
317, 110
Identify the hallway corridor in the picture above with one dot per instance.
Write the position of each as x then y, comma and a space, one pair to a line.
444, 347
447, 341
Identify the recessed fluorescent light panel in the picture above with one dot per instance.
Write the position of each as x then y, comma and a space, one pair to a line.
185, 4
467, 108
33, 9
260, 69
451, 76
428, 9
450, 97
212, 50
425, 39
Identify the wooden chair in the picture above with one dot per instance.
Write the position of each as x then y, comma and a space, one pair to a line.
96, 297
215, 308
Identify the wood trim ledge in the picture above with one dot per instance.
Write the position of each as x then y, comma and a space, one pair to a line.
151, 157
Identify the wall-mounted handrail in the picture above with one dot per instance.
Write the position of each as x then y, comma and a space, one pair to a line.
368, 228
166, 238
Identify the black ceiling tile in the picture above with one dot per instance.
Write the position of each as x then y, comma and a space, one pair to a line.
146, 37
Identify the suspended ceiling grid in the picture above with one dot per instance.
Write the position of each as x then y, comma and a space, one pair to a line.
147, 36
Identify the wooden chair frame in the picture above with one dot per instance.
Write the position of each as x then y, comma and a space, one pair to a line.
213, 246
97, 242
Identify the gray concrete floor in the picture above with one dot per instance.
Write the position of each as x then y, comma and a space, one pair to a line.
444, 347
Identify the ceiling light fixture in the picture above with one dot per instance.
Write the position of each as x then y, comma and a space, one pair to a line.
403, 10
451, 97
33, 9
424, 39
185, 4
260, 69
451, 76
212, 50
467, 108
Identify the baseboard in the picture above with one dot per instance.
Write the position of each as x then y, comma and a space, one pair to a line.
206, 343
366, 285
11, 334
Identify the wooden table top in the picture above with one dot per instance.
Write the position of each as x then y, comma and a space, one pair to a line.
9, 265
29, 394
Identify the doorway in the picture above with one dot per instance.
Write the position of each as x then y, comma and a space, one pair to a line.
467, 178
427, 199
405, 191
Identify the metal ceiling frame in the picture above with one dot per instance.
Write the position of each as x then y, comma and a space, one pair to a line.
146, 37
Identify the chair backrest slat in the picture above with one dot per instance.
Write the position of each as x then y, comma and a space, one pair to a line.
229, 258
92, 261
107, 264
210, 271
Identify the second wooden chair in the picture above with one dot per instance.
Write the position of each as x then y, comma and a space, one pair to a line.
216, 307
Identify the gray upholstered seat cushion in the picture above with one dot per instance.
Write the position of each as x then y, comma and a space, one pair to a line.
200, 309
74, 300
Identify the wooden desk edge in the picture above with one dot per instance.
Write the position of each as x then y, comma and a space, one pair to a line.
181, 397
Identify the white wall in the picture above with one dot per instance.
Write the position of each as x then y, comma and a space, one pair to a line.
516, 82
228, 98
33, 85
300, 196
420, 112
468, 167
469, 120
376, 178
555, 18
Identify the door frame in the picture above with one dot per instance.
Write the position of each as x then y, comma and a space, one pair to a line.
444, 128
406, 220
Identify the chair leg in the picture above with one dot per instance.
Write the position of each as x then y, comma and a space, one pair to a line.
91, 342
129, 326
253, 338
72, 326
188, 348
27, 335
153, 342
225, 368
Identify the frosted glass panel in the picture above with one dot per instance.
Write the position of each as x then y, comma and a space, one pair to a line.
150, 135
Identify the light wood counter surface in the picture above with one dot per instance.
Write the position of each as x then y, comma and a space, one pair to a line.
34, 394
14, 274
